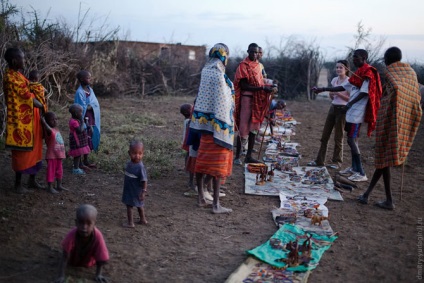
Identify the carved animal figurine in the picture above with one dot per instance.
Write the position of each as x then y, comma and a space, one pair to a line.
317, 219
306, 246
293, 256
271, 174
261, 177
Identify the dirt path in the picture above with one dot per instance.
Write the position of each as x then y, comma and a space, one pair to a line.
183, 243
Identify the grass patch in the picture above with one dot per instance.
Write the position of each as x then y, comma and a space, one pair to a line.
120, 124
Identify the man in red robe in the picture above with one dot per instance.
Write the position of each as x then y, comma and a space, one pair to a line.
252, 100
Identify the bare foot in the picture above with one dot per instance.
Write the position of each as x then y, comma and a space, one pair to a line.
128, 225
91, 165
143, 222
21, 190
85, 168
204, 203
35, 185
62, 188
53, 191
220, 209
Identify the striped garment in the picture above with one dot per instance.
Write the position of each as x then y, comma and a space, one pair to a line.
213, 159
398, 117
191, 164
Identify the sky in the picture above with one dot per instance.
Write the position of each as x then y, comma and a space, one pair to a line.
329, 24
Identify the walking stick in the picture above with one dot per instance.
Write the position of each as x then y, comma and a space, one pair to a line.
266, 127
262, 141
401, 180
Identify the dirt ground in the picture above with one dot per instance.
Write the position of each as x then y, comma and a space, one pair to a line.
184, 243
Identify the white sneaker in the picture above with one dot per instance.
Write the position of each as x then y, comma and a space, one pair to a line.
208, 196
348, 170
358, 178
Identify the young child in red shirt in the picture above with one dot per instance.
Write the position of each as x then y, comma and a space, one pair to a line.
84, 245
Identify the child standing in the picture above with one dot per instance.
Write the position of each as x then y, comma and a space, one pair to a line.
78, 141
84, 245
273, 107
135, 184
85, 97
190, 158
55, 152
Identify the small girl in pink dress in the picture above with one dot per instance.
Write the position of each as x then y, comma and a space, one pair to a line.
55, 152
78, 139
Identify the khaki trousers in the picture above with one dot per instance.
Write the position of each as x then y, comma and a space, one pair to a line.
336, 119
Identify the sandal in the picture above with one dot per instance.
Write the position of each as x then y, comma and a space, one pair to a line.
191, 193
78, 171
251, 160
90, 165
362, 199
384, 204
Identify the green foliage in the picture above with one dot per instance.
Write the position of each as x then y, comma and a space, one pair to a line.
113, 153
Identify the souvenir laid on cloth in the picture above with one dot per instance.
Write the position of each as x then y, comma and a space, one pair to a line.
309, 213
277, 151
256, 167
253, 270
299, 180
293, 248
278, 130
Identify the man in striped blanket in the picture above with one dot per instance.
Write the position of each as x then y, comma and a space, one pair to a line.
398, 120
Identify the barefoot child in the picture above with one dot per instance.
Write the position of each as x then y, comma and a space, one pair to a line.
191, 143
85, 97
55, 152
190, 157
78, 141
135, 184
273, 107
84, 245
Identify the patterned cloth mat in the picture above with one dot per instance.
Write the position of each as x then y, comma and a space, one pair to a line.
314, 182
276, 254
254, 270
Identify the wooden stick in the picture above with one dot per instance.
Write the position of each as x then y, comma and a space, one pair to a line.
262, 141
263, 137
401, 180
